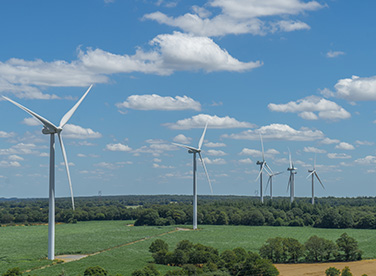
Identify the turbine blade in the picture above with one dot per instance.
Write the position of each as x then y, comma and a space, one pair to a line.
277, 173
310, 174
69, 114
66, 167
290, 159
262, 167
318, 178
44, 121
186, 147
206, 172
270, 170
267, 184
314, 163
202, 137
262, 147
288, 185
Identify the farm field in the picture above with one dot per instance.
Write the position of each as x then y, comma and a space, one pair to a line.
26, 246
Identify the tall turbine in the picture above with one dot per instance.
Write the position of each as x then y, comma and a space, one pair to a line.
196, 151
270, 181
291, 183
263, 166
51, 129
313, 173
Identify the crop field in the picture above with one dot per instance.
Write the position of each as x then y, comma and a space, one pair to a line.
122, 248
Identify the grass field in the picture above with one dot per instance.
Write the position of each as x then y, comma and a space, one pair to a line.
26, 246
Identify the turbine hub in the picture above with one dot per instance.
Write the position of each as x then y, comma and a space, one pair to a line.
47, 131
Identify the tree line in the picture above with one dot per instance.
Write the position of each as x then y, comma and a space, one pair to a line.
214, 210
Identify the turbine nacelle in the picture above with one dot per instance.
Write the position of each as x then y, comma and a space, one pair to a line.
46, 130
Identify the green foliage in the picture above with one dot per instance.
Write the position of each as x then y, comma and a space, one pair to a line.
95, 271
13, 272
158, 245
149, 270
332, 271
320, 249
346, 271
274, 250
349, 248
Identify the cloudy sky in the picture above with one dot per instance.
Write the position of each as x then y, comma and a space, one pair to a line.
301, 73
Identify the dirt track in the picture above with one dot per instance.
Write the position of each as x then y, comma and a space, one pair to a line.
357, 268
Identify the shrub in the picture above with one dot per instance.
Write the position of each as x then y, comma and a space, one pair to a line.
13, 272
332, 271
158, 245
95, 271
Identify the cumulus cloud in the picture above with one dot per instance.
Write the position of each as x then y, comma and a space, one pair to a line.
31, 121
279, 132
199, 121
329, 141
8, 164
345, 146
314, 150
364, 143
215, 152
182, 139
239, 17
156, 102
258, 153
4, 134
15, 157
20, 149
168, 53
78, 132
368, 160
215, 145
217, 161
306, 107
246, 161
354, 89
118, 147
338, 156
334, 54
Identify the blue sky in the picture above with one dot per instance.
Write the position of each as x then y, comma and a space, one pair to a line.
301, 73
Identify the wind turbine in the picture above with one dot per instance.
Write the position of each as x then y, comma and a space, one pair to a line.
291, 183
196, 151
313, 173
50, 128
262, 165
270, 180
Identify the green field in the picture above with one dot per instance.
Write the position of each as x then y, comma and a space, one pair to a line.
26, 246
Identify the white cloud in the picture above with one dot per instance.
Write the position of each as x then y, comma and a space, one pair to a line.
156, 102
314, 150
368, 160
239, 17
7, 164
111, 166
118, 147
355, 89
215, 145
4, 134
279, 132
364, 143
306, 107
246, 161
31, 121
158, 166
199, 121
258, 153
329, 141
215, 152
78, 132
182, 139
334, 54
15, 157
345, 146
20, 149
338, 156
217, 161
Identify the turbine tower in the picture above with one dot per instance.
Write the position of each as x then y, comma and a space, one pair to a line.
196, 151
270, 181
263, 166
291, 183
51, 129
313, 173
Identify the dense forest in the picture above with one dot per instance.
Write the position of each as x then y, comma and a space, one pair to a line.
328, 212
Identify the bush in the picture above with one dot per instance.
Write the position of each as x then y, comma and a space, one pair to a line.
13, 272
349, 247
158, 245
346, 271
95, 271
332, 271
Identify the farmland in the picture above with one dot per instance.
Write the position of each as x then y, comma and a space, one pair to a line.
26, 246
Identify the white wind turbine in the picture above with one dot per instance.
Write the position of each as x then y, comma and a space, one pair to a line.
291, 183
313, 173
50, 128
197, 151
270, 181
263, 166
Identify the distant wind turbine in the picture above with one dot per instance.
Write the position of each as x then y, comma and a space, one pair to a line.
263, 166
270, 181
291, 183
313, 173
50, 128
197, 151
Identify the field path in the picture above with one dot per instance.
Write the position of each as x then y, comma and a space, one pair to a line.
70, 258
357, 268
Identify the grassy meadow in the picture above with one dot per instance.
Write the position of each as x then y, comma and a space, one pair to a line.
26, 246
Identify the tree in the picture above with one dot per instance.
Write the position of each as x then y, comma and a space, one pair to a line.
346, 271
332, 271
158, 245
349, 247
293, 249
95, 271
273, 250
319, 249
13, 272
